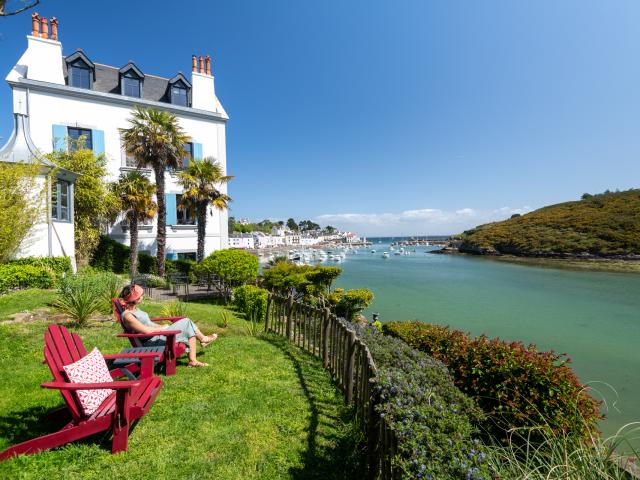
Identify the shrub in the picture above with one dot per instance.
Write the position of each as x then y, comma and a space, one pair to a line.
186, 267
234, 267
175, 308
349, 303
153, 281
434, 423
516, 385
21, 200
307, 281
14, 276
109, 285
80, 297
60, 266
113, 256
252, 301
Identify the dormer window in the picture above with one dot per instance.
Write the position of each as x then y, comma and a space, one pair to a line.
179, 95
130, 85
80, 71
80, 75
131, 79
179, 91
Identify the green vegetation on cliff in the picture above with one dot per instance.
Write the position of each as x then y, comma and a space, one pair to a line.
602, 225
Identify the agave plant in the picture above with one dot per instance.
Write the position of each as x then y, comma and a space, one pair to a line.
79, 298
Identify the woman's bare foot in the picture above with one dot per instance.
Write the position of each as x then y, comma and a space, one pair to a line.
208, 339
196, 363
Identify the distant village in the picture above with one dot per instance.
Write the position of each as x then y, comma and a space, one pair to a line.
267, 234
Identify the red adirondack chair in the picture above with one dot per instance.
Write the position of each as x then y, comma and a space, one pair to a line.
172, 349
130, 401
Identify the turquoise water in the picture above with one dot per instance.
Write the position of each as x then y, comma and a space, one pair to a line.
594, 317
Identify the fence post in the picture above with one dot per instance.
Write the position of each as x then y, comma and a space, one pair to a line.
325, 337
266, 320
289, 315
351, 361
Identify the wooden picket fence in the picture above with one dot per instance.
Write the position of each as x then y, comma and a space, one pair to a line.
332, 339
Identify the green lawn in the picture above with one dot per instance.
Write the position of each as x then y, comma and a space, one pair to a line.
24, 300
263, 409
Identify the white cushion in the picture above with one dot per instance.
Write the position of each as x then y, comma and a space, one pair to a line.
92, 368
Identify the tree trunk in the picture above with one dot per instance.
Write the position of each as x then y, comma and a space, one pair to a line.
202, 228
161, 238
133, 236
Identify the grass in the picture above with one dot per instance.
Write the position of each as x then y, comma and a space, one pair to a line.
24, 300
263, 409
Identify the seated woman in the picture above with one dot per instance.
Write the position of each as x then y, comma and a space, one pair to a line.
137, 321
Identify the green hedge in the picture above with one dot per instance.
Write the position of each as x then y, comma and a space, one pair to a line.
252, 301
113, 256
13, 276
518, 386
435, 424
61, 266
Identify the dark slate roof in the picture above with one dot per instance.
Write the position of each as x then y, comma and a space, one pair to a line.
107, 80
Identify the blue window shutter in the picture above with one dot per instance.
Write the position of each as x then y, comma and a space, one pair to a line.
97, 137
197, 151
60, 137
171, 208
171, 256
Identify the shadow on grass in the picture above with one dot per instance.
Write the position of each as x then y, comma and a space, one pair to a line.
22, 425
331, 453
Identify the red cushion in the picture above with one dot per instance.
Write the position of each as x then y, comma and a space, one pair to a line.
92, 368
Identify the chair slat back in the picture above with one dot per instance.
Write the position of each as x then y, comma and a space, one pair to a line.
118, 311
62, 347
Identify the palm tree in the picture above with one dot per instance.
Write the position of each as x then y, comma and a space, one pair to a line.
135, 193
156, 141
201, 181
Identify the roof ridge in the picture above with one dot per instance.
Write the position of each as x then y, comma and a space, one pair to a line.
118, 68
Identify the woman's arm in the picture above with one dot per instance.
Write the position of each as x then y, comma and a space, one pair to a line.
137, 326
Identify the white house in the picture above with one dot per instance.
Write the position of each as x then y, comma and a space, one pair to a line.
57, 97
241, 240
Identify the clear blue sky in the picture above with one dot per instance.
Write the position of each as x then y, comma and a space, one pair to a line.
407, 117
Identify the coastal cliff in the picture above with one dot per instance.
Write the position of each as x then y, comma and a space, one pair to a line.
605, 225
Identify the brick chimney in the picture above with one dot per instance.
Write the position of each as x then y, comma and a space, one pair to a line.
203, 93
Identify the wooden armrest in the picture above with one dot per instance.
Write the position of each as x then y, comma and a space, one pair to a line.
124, 385
166, 319
166, 333
132, 355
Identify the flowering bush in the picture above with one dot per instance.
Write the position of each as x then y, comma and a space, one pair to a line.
433, 421
515, 384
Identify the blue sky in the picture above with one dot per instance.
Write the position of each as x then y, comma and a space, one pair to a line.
407, 117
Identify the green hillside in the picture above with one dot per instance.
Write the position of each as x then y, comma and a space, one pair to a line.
603, 225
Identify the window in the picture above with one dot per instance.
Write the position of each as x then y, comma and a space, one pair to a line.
188, 147
131, 85
179, 94
60, 200
130, 161
184, 216
187, 256
79, 75
79, 137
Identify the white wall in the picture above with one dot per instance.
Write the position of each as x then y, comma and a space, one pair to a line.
48, 109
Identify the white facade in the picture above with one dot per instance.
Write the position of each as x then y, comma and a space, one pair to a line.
41, 93
244, 240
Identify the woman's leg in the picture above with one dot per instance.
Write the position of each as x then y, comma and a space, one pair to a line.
193, 360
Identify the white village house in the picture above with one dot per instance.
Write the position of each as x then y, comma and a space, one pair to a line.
58, 97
